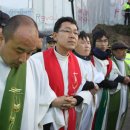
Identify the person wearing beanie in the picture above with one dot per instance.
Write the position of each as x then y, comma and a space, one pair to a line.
50, 42
3, 20
119, 50
109, 107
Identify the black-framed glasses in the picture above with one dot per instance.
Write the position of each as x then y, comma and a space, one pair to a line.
102, 41
69, 31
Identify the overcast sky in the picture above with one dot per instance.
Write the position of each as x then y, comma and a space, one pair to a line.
15, 3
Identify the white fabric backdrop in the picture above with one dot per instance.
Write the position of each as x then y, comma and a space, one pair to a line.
88, 13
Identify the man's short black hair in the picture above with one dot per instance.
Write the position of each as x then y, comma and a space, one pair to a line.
62, 20
98, 34
83, 35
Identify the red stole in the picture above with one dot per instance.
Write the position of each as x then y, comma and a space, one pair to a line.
56, 79
109, 66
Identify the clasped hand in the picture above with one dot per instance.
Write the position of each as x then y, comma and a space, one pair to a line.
64, 102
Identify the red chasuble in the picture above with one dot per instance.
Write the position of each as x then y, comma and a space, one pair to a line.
56, 79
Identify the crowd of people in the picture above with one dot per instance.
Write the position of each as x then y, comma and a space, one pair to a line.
77, 83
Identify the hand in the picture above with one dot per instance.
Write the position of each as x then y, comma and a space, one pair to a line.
126, 80
96, 87
63, 102
93, 91
73, 101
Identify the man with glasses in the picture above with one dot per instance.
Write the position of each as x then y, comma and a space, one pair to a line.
63, 69
109, 99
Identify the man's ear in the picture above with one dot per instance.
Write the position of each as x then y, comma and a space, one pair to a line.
54, 36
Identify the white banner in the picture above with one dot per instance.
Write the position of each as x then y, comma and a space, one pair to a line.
11, 11
88, 13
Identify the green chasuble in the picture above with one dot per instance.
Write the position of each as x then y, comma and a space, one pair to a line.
113, 110
114, 106
13, 99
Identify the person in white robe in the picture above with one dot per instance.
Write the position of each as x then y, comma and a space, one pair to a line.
119, 50
20, 38
66, 35
86, 114
104, 64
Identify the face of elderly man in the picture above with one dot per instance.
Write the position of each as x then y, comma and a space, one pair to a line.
20, 46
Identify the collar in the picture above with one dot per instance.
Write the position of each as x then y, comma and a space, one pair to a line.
87, 58
102, 55
119, 59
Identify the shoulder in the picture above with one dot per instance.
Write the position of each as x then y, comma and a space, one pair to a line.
38, 57
36, 61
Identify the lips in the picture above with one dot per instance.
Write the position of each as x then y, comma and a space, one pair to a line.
72, 41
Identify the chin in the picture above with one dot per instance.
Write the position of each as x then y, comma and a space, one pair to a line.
103, 49
71, 48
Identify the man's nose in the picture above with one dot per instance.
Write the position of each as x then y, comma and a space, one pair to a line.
23, 57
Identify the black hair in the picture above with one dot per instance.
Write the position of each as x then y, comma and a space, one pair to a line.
15, 22
62, 20
83, 35
98, 34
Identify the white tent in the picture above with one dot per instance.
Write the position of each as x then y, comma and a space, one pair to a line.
88, 13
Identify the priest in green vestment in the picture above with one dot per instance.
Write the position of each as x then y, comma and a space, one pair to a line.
25, 94
119, 50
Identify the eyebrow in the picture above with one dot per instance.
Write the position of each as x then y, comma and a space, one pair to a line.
70, 28
23, 50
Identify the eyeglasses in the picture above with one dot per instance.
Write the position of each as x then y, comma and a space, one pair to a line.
70, 32
102, 41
